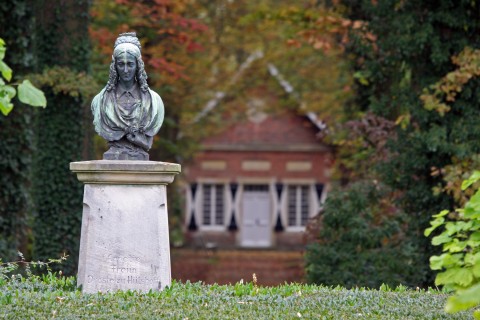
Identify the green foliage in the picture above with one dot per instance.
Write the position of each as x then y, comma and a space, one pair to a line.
55, 296
67, 82
16, 134
413, 48
40, 200
446, 90
27, 93
23, 275
56, 192
363, 242
62, 34
460, 262
60, 131
8, 269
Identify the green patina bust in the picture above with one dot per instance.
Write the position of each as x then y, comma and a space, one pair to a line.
126, 112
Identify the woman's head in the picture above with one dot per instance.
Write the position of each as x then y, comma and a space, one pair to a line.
127, 48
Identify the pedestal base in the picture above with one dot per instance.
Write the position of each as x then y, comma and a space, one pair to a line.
124, 241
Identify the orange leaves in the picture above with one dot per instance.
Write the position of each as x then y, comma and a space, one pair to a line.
446, 90
294, 43
104, 40
331, 31
323, 41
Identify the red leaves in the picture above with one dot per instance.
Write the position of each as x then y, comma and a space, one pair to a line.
167, 36
169, 67
104, 39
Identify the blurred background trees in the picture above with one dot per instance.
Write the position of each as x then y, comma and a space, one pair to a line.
379, 74
410, 50
201, 53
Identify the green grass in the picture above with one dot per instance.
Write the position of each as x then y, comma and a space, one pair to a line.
51, 297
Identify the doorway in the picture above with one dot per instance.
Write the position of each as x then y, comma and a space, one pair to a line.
256, 213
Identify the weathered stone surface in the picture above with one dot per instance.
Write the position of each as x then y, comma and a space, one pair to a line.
115, 153
124, 242
125, 171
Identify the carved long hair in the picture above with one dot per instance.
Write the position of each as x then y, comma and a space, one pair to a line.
140, 75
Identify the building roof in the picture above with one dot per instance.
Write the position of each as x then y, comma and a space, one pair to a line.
275, 73
282, 131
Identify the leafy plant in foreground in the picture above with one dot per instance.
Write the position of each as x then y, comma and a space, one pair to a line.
460, 261
27, 93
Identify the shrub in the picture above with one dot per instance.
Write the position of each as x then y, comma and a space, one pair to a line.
362, 241
56, 297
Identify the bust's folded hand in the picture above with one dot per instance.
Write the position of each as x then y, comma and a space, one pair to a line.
139, 140
131, 130
131, 137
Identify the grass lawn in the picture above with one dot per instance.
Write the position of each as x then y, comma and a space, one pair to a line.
52, 297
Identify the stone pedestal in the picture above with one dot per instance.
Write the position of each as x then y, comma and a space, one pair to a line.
124, 241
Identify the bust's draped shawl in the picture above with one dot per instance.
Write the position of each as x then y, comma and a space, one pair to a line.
111, 121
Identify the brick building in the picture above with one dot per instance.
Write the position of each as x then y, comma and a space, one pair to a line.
256, 184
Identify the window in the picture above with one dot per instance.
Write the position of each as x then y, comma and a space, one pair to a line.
298, 205
213, 205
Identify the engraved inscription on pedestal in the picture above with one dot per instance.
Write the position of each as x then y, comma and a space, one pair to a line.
124, 271
124, 244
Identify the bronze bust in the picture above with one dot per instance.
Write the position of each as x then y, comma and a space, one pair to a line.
126, 112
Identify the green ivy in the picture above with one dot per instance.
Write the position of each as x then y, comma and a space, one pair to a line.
56, 192
61, 41
60, 139
39, 196
16, 134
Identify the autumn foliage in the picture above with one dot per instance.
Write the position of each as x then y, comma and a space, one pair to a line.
162, 26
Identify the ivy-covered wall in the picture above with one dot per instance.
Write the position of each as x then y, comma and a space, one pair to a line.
16, 28
62, 33
40, 199
62, 40
56, 191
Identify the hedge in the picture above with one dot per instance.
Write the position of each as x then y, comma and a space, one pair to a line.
51, 296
